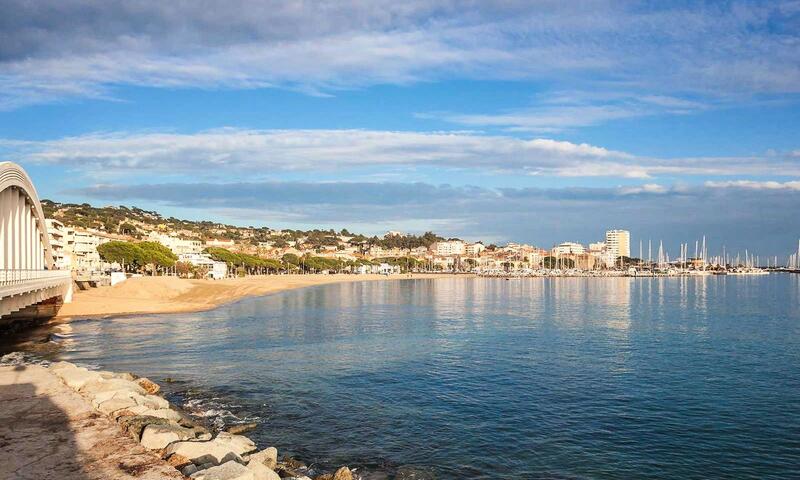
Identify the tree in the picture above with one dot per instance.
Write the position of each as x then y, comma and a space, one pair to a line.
128, 229
126, 253
553, 262
157, 255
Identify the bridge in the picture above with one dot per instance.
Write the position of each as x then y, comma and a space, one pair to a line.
30, 286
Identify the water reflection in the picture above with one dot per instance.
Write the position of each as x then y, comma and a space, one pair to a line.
563, 377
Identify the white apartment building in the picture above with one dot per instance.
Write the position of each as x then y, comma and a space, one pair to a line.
474, 249
178, 246
618, 243
224, 243
84, 251
449, 248
597, 247
568, 248
61, 240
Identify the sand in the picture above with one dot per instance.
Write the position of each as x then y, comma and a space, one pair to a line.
172, 295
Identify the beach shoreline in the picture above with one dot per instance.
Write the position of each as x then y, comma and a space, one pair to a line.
151, 295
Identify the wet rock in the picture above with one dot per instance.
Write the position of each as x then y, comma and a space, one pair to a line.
326, 476
135, 425
188, 470
13, 358
286, 472
227, 471
293, 463
243, 428
268, 457
149, 386
156, 437
343, 473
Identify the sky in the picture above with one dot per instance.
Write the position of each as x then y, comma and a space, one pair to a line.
529, 121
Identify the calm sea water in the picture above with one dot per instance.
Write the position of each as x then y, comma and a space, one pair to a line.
485, 378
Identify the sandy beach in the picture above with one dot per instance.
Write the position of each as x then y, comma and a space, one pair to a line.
173, 295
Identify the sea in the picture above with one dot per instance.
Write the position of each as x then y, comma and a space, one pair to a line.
540, 378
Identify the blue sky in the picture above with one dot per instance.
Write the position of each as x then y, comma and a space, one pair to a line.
534, 121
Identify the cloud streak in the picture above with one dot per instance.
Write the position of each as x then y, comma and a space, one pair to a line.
240, 152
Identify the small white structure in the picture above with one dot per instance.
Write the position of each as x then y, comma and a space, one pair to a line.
216, 270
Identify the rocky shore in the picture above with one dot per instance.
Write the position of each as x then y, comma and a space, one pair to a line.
135, 405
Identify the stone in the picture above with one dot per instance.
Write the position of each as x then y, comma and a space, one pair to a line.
188, 470
261, 471
121, 375
293, 463
110, 406
227, 471
268, 457
129, 412
343, 473
238, 443
100, 385
204, 452
242, 428
166, 413
135, 425
179, 461
75, 378
149, 386
156, 437
326, 476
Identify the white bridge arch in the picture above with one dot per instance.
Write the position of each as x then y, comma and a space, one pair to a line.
27, 271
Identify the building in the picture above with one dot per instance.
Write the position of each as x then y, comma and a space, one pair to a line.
448, 248
220, 243
474, 249
84, 251
61, 240
618, 243
567, 248
178, 246
215, 269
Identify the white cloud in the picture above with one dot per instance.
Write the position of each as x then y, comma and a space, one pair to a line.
755, 185
238, 152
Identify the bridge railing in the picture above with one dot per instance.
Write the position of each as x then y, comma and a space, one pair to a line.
18, 276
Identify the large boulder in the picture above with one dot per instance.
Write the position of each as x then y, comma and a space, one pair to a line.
221, 449
156, 437
75, 377
204, 452
109, 385
268, 457
166, 413
261, 471
227, 471
113, 405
